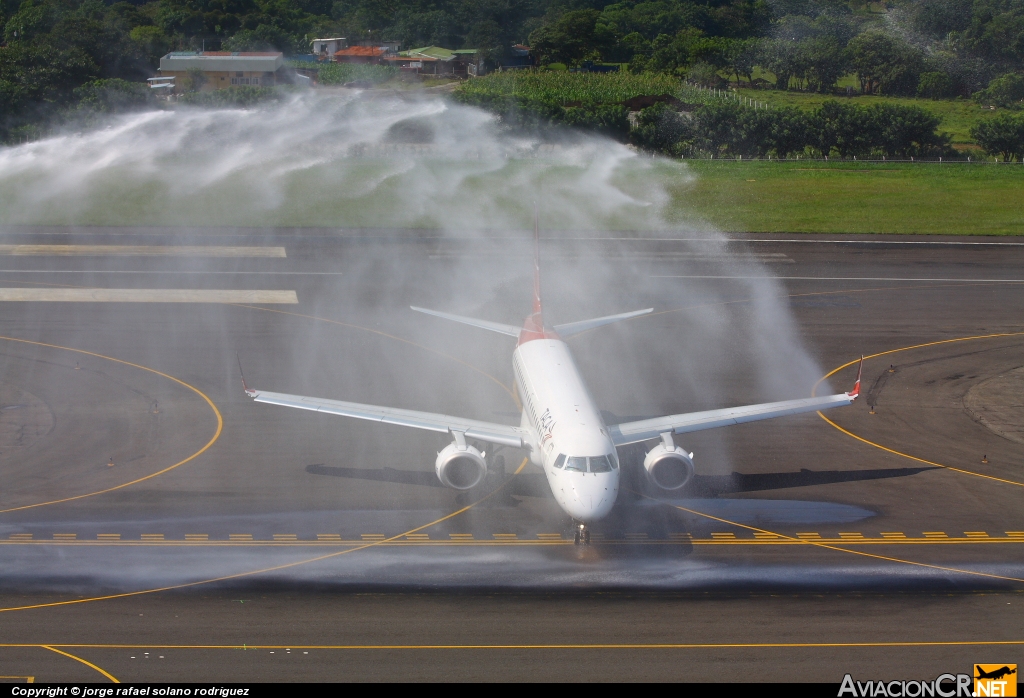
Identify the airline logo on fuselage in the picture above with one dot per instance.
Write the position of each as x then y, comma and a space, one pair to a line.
547, 425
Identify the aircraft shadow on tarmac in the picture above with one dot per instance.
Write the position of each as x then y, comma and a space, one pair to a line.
535, 484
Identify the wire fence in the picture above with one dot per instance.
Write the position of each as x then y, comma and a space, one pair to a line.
692, 92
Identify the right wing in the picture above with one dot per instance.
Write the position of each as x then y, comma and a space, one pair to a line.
471, 428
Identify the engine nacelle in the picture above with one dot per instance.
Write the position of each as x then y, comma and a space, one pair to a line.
460, 468
668, 468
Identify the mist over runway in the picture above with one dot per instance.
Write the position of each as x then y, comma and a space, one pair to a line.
131, 460
155, 523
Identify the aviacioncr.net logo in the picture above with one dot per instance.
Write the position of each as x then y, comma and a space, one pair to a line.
945, 686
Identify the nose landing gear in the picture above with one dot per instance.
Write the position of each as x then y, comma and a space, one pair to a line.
582, 536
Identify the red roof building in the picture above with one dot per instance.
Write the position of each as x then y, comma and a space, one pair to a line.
361, 54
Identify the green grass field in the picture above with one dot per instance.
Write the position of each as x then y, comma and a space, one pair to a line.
958, 115
817, 197
745, 196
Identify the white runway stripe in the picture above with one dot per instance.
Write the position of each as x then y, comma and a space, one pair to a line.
139, 251
146, 295
171, 271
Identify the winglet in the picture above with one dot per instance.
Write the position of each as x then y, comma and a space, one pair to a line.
856, 386
248, 391
536, 260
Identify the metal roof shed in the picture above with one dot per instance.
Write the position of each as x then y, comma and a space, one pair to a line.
222, 61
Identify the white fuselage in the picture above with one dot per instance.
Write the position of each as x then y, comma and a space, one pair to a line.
558, 409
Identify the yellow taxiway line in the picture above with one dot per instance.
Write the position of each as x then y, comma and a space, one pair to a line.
476, 542
543, 646
79, 659
197, 391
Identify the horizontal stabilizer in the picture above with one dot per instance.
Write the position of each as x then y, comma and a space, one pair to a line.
511, 330
571, 328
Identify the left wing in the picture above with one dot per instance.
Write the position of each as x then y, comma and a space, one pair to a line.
471, 428
633, 432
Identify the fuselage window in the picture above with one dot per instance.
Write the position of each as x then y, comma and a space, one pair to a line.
576, 464
600, 464
560, 461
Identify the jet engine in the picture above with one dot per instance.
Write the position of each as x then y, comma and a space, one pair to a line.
460, 466
668, 466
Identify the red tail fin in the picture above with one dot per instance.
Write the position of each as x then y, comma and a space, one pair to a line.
856, 386
536, 261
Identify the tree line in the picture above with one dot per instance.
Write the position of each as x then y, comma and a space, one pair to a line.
805, 51
933, 48
836, 129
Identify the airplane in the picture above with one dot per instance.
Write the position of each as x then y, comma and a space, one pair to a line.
996, 674
561, 427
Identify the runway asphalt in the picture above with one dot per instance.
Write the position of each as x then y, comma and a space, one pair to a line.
157, 525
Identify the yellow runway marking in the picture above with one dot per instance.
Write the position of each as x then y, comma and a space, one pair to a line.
553, 646
416, 539
197, 391
139, 251
907, 455
79, 659
147, 295
828, 546
239, 575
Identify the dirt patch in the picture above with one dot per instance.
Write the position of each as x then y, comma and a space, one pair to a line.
24, 419
998, 404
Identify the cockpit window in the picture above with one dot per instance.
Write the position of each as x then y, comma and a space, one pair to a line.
600, 464
576, 463
560, 461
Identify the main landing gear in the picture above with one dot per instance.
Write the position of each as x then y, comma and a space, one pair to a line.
582, 536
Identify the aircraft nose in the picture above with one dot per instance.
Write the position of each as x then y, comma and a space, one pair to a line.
593, 498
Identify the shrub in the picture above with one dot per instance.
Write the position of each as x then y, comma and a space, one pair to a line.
1002, 136
113, 95
661, 129
611, 119
935, 85
1005, 91
569, 89
703, 74
841, 128
341, 73
244, 96
903, 131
